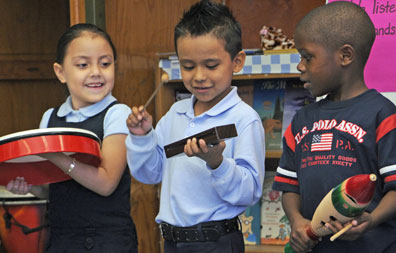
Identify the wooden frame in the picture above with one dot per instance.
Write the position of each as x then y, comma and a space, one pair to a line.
77, 12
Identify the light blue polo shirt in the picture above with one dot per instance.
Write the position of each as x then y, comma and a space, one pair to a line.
191, 192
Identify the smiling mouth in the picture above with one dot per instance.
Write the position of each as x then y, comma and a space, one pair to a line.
94, 85
306, 83
303, 80
201, 88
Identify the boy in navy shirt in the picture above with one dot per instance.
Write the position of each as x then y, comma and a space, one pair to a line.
358, 124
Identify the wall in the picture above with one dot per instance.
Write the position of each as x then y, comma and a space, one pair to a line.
284, 14
391, 96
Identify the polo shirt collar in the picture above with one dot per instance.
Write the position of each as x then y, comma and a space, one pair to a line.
227, 102
88, 111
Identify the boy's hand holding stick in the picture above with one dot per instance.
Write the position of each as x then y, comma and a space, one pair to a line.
339, 233
136, 119
164, 79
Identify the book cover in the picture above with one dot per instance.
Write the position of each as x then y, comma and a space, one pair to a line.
275, 227
296, 97
246, 92
268, 101
250, 220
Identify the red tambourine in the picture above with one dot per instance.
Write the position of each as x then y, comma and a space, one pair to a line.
19, 153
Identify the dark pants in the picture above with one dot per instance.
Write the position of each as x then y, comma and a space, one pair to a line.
228, 243
93, 240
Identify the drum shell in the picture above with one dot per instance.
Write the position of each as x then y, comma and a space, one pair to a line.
29, 212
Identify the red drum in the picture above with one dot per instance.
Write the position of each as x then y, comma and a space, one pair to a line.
27, 211
18, 153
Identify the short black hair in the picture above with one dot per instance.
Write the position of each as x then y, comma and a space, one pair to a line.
76, 31
207, 17
339, 23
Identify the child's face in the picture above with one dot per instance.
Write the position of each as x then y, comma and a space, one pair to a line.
318, 67
207, 69
87, 69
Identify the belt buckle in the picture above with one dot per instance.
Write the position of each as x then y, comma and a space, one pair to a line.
164, 226
211, 233
161, 225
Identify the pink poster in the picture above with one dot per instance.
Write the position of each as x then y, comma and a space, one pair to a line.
380, 71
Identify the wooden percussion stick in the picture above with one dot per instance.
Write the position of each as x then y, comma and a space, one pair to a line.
164, 79
339, 233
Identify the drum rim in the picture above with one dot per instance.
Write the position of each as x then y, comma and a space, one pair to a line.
48, 131
21, 202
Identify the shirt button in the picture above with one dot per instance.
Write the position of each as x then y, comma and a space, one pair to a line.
192, 124
89, 243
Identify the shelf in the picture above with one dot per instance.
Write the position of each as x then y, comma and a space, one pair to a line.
268, 66
265, 76
273, 153
264, 248
250, 77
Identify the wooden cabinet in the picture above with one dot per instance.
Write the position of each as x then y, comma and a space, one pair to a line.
28, 86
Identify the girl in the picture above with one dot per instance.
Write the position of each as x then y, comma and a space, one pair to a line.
92, 211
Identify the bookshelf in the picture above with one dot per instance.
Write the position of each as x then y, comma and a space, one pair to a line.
281, 65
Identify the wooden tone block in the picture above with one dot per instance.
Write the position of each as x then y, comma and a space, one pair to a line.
211, 136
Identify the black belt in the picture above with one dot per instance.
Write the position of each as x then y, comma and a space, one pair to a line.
206, 231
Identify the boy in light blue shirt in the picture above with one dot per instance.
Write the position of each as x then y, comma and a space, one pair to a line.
205, 189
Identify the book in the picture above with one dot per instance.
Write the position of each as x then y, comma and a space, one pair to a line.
275, 227
268, 101
245, 92
250, 220
296, 97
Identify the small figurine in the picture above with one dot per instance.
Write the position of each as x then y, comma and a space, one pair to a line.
273, 39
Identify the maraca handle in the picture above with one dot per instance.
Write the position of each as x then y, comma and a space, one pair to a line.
311, 234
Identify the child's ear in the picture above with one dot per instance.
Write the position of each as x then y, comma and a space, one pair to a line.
239, 61
58, 69
347, 54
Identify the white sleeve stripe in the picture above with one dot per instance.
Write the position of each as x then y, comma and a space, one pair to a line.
387, 169
286, 172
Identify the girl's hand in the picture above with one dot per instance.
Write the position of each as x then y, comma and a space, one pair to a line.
139, 121
359, 227
212, 155
299, 240
19, 186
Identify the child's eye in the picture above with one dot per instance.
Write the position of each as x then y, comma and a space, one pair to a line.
212, 66
105, 64
306, 57
187, 67
82, 65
